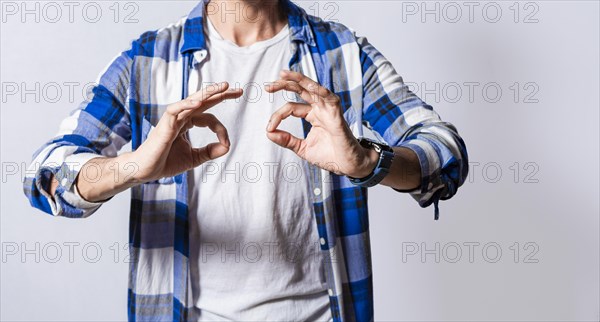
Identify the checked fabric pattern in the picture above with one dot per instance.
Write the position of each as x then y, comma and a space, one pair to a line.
162, 67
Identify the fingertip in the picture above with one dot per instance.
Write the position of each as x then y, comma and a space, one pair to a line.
273, 124
272, 136
276, 137
223, 138
235, 92
223, 86
225, 148
218, 150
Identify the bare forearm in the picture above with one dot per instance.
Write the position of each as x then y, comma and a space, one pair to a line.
405, 171
102, 178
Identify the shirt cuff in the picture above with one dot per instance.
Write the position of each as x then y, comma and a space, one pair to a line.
67, 201
429, 163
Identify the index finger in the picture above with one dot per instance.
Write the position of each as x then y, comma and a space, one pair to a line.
306, 83
292, 86
210, 96
209, 90
220, 97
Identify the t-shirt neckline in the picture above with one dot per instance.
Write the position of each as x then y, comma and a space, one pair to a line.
216, 39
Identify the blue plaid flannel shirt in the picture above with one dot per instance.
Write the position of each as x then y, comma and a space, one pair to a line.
133, 92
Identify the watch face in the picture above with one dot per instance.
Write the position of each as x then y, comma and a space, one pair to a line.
366, 142
377, 146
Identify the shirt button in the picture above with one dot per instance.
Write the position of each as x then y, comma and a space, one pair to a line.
64, 181
330, 291
317, 191
322, 240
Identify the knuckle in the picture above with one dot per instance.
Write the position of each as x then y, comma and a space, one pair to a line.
171, 110
219, 125
334, 99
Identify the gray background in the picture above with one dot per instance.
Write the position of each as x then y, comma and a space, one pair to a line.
550, 207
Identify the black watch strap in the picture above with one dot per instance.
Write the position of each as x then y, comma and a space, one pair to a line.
386, 155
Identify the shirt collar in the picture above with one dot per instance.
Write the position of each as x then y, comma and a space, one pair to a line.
193, 31
300, 29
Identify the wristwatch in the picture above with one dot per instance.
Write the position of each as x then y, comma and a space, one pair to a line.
386, 155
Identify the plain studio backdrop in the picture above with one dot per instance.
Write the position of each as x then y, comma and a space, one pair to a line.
518, 79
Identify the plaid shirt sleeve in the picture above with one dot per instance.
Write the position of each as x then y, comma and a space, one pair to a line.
403, 119
100, 126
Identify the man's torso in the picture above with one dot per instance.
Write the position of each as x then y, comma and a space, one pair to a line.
253, 237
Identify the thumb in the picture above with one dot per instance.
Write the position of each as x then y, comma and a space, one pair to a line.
208, 152
286, 140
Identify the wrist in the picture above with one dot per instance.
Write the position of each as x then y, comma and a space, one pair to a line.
366, 167
381, 155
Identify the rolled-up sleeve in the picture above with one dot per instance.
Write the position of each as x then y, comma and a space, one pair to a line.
403, 120
99, 127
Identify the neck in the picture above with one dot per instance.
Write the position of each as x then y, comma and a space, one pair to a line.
245, 22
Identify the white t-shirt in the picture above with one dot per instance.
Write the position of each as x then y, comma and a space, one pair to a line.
254, 244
